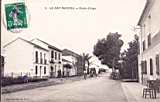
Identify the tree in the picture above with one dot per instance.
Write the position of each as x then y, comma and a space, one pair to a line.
130, 59
108, 49
86, 59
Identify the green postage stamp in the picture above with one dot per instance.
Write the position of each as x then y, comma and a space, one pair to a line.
16, 16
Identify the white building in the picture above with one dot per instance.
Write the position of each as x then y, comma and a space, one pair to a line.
55, 57
71, 57
68, 68
71, 61
149, 57
25, 58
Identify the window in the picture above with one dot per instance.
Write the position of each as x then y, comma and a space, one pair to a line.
36, 55
144, 67
157, 65
52, 54
149, 40
41, 57
40, 70
144, 46
2, 60
36, 70
44, 56
45, 61
59, 56
151, 67
55, 55
44, 70
51, 69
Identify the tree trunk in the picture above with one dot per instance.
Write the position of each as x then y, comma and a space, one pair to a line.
113, 64
88, 68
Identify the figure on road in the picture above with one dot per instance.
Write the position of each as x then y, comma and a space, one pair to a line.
85, 74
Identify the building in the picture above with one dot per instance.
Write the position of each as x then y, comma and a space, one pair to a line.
23, 57
2, 66
149, 57
2, 61
68, 68
55, 57
75, 59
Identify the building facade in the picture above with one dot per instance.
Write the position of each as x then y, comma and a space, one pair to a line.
149, 57
72, 62
2, 66
2, 61
68, 68
55, 57
25, 58
76, 61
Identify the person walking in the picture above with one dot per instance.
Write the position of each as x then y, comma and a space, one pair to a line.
85, 74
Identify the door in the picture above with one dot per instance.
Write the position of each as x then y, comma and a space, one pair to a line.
51, 72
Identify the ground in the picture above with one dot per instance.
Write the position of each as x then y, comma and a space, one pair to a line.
97, 89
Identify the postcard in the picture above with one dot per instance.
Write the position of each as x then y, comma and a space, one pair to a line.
80, 50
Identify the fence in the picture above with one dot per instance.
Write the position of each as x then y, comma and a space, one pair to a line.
20, 74
20, 78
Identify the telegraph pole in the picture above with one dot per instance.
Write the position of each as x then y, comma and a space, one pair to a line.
141, 49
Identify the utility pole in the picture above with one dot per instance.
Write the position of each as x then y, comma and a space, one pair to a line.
141, 49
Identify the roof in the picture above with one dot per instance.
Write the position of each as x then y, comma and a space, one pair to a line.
25, 41
66, 52
144, 11
64, 60
49, 45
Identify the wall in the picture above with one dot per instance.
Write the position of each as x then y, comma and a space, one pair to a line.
19, 57
73, 60
39, 65
150, 24
56, 65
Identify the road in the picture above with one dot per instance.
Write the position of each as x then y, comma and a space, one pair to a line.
100, 89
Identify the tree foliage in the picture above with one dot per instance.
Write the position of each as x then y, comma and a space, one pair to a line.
108, 49
130, 59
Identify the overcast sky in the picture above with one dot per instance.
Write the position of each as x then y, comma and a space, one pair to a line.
77, 30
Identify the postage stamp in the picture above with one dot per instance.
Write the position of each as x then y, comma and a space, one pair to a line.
15, 16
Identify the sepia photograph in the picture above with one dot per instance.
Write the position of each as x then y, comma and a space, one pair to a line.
80, 50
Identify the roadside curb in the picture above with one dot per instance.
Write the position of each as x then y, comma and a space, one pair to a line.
133, 92
28, 86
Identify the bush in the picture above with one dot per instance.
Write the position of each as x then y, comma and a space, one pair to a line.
20, 80
6, 81
10, 80
37, 79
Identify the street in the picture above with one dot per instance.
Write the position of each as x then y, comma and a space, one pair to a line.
97, 89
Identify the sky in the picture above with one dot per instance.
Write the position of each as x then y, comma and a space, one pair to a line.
76, 29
